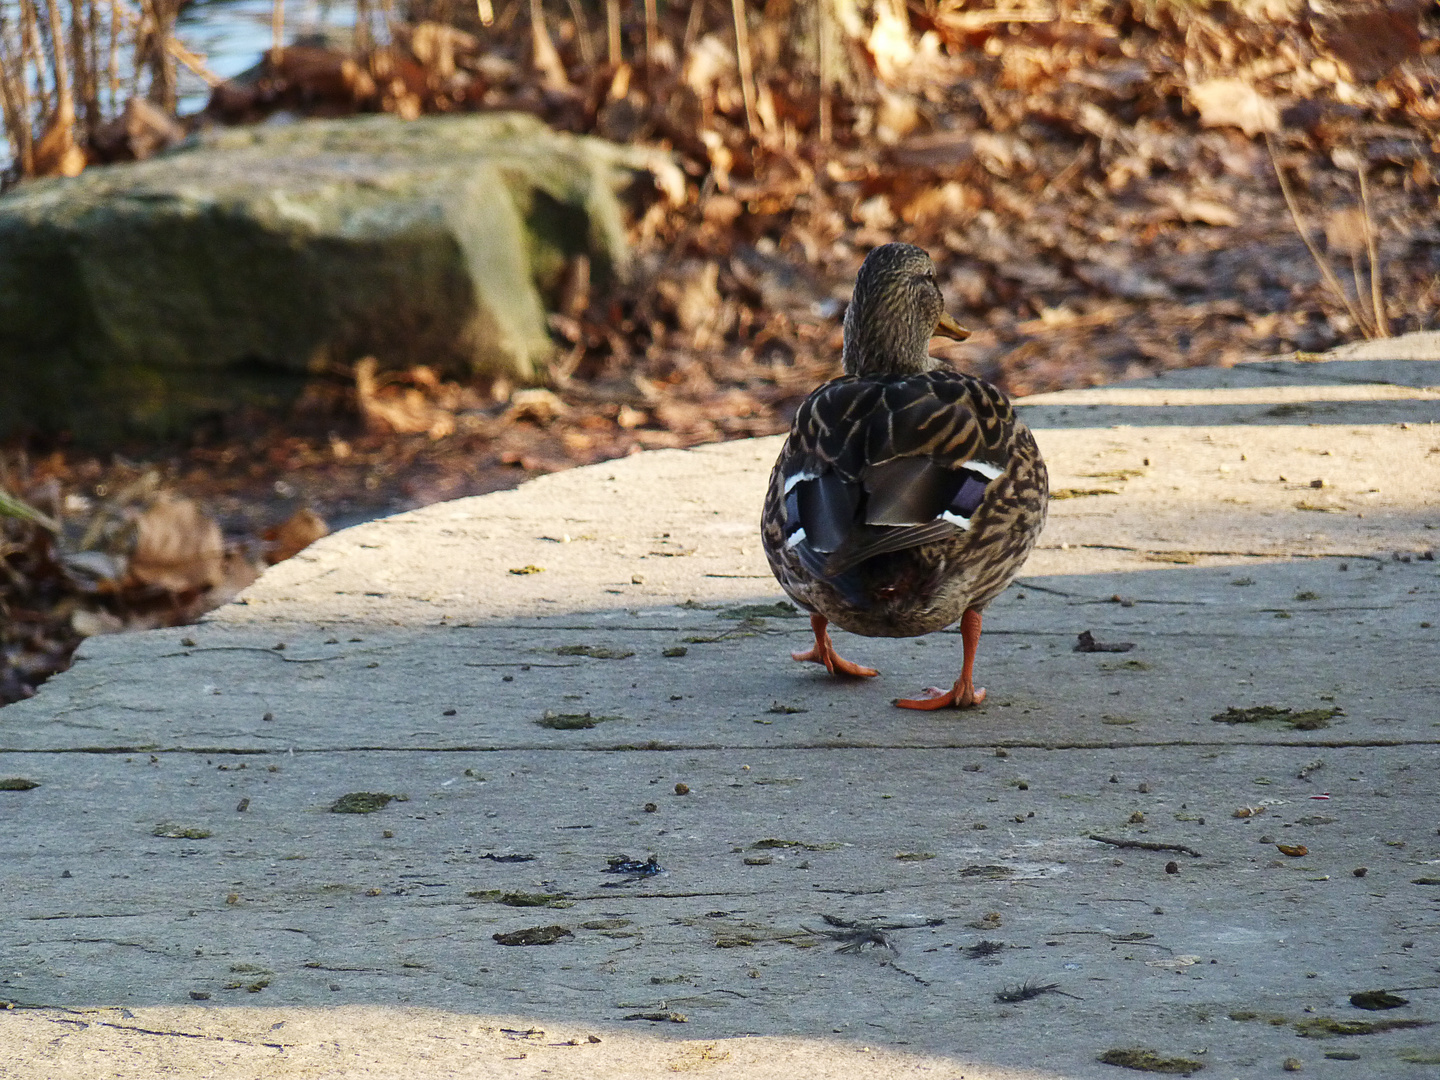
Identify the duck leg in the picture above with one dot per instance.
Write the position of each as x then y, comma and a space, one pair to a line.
824, 653
963, 694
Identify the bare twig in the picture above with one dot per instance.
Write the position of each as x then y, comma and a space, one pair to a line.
582, 33
12, 99
1145, 845
1027, 990
652, 35
543, 53
692, 26
612, 31
824, 32
277, 29
1325, 271
742, 60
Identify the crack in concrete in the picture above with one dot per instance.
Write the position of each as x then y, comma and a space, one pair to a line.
658, 747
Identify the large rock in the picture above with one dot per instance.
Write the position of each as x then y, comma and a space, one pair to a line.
138, 295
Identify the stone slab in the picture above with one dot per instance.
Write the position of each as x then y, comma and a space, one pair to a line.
416, 664
233, 268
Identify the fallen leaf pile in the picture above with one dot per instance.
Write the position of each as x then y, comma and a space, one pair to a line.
133, 555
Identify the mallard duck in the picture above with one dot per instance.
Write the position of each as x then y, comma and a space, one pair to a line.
908, 494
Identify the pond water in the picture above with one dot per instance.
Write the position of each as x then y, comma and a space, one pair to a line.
233, 34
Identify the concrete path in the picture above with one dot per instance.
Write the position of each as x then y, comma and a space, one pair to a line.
579, 696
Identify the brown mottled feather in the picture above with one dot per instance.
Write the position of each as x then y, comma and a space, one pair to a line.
910, 579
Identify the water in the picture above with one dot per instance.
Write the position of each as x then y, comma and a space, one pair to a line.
231, 35
234, 34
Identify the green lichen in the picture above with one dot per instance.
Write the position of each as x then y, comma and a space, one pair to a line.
558, 721
1375, 1000
770, 843
528, 899
1327, 1027
1305, 720
363, 802
533, 935
781, 609
179, 832
597, 652
1142, 1059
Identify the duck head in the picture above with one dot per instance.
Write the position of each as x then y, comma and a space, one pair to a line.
895, 311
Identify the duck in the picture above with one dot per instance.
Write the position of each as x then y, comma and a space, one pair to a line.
907, 494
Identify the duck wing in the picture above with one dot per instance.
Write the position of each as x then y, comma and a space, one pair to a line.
880, 465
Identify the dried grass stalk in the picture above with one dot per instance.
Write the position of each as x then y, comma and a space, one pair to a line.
1324, 267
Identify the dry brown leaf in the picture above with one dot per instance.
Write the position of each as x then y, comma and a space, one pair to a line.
56, 153
1371, 38
889, 41
178, 547
1234, 103
692, 293
1345, 231
1205, 211
536, 404
294, 535
952, 203
435, 44
406, 413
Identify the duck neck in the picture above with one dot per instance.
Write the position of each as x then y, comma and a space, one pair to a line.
881, 346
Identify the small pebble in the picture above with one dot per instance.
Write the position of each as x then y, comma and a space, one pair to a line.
1144, 788
388, 835
1114, 779
242, 806
1172, 867
507, 678
650, 808
449, 712
1022, 786
199, 995
1360, 871
682, 789
1000, 751
67, 874
269, 717
1292, 1065
1137, 818
189, 643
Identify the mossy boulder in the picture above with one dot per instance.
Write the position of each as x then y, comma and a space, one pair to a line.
137, 296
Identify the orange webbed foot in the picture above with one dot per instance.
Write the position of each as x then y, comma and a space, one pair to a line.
823, 652
959, 696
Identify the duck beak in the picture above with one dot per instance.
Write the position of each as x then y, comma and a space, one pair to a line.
949, 328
